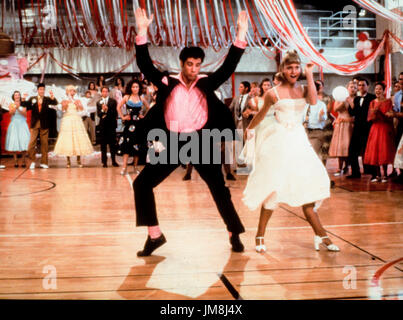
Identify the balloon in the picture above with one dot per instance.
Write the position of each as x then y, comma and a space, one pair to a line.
340, 93
360, 55
367, 44
363, 36
360, 45
367, 52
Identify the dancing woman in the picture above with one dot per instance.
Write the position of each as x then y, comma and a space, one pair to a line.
18, 134
286, 169
135, 108
73, 139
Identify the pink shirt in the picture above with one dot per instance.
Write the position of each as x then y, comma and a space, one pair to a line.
186, 108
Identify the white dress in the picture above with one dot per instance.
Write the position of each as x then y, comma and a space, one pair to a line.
286, 168
399, 155
73, 140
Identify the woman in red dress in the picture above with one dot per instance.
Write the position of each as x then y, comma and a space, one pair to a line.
380, 149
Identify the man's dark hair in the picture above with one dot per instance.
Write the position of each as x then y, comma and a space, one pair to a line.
191, 52
363, 79
246, 84
401, 73
317, 85
40, 85
105, 87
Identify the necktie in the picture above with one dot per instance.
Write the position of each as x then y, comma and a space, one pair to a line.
39, 104
240, 107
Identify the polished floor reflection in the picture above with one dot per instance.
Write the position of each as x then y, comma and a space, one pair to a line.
71, 234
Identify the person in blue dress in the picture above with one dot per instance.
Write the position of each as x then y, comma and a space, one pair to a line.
18, 134
136, 106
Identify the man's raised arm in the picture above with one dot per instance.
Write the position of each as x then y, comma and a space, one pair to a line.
143, 58
234, 55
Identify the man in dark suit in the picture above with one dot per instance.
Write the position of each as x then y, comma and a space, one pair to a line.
239, 104
107, 113
186, 104
40, 123
361, 129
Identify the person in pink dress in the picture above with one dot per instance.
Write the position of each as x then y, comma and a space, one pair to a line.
343, 129
380, 150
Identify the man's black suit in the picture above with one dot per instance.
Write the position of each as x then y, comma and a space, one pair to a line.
107, 128
360, 133
219, 117
40, 124
45, 116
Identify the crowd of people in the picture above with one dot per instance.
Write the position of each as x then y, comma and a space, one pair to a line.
365, 124
98, 108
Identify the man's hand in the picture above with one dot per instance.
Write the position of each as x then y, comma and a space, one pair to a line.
142, 22
242, 24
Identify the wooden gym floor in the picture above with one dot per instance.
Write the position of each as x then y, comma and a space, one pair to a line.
71, 234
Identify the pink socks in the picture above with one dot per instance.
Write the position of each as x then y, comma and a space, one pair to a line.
154, 232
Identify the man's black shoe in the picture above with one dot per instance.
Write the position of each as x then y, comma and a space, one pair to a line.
105, 165
151, 245
115, 164
236, 243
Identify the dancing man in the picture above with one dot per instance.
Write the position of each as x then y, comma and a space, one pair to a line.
186, 104
40, 123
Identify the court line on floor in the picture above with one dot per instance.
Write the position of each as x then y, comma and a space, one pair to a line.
199, 272
186, 231
53, 185
234, 293
349, 242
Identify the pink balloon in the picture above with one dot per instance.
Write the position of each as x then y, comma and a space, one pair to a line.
367, 44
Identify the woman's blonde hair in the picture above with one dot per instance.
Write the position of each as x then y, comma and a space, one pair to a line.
70, 87
290, 57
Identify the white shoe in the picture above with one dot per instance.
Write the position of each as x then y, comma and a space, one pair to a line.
318, 240
338, 173
123, 172
44, 166
2, 166
260, 247
136, 171
32, 166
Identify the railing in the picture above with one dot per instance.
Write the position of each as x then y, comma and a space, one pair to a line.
342, 21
